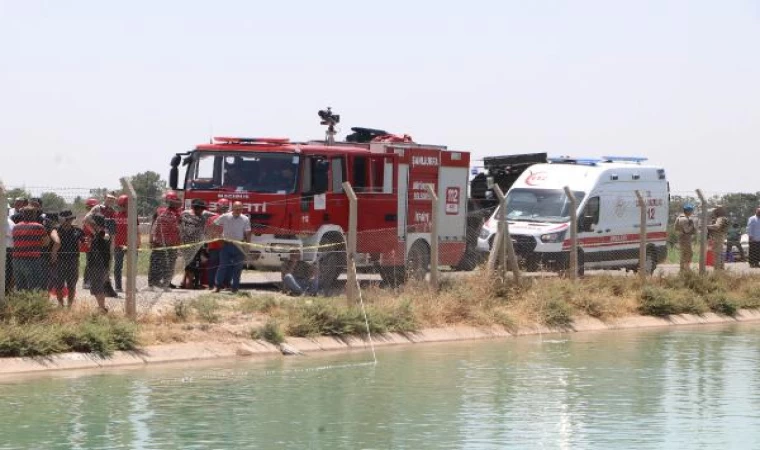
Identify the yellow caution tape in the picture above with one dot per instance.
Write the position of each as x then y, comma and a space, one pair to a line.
276, 247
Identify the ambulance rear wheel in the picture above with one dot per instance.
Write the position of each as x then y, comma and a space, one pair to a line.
581, 263
418, 261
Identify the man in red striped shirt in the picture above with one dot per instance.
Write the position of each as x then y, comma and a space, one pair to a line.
29, 240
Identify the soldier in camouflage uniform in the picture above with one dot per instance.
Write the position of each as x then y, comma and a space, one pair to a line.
716, 232
685, 228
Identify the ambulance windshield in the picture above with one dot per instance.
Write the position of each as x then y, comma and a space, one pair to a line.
540, 205
248, 172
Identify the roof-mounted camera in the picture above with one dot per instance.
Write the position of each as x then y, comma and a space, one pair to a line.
329, 119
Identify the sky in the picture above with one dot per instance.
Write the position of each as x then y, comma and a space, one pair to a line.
92, 91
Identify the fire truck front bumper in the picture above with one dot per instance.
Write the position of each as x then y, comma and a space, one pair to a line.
270, 254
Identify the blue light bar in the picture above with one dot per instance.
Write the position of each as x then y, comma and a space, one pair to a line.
636, 159
571, 160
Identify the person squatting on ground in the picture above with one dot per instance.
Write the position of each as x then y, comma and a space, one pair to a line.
236, 229
685, 229
165, 234
734, 239
100, 250
299, 277
64, 258
716, 232
192, 231
214, 248
753, 233
29, 241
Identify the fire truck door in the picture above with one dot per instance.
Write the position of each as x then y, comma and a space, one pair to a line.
323, 201
373, 180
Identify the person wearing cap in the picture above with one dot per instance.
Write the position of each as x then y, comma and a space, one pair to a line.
215, 244
100, 251
753, 233
164, 238
192, 230
18, 203
29, 241
685, 229
236, 229
716, 232
64, 257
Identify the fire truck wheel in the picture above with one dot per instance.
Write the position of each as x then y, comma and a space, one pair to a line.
393, 276
332, 261
418, 261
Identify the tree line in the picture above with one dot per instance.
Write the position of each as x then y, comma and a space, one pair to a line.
148, 186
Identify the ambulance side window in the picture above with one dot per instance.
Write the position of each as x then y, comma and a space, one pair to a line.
336, 167
590, 216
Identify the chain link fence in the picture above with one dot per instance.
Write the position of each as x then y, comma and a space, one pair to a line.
51, 242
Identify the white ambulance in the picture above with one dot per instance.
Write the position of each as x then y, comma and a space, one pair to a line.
538, 212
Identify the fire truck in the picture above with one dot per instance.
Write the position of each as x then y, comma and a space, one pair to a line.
294, 195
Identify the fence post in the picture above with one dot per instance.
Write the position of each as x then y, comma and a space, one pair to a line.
702, 233
130, 304
507, 249
3, 234
433, 238
351, 285
642, 236
573, 256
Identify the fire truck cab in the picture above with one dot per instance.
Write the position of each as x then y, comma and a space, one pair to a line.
293, 193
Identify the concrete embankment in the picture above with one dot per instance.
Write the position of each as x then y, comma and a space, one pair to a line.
200, 351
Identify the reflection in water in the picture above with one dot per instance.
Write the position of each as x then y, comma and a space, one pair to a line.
674, 388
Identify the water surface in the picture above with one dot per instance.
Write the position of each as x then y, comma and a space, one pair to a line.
686, 387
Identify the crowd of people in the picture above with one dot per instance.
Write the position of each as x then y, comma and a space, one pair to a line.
43, 250
720, 232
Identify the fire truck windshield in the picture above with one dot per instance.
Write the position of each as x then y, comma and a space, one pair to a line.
243, 171
540, 205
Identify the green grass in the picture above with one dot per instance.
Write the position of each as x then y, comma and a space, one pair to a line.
31, 326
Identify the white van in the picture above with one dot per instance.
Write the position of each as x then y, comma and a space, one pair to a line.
608, 214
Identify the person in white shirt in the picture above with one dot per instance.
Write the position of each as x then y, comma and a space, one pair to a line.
753, 232
236, 228
9, 256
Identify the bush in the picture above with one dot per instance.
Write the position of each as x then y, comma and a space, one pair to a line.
259, 304
323, 318
720, 303
27, 307
29, 340
181, 310
656, 301
207, 308
271, 332
90, 337
557, 314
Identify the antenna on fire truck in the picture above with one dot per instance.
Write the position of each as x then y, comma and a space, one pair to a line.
329, 119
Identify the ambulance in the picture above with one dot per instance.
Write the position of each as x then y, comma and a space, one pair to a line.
609, 217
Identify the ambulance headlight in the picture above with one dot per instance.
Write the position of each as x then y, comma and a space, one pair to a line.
484, 233
553, 237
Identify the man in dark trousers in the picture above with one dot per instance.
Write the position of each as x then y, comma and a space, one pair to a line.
753, 232
64, 257
100, 260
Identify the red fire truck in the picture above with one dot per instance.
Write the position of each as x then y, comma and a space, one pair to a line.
294, 195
